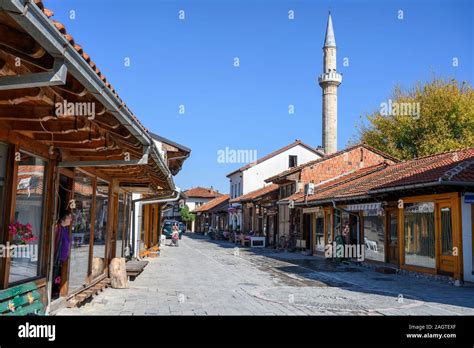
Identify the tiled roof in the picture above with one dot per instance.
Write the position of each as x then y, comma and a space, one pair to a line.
274, 153
255, 194
212, 204
329, 156
62, 29
202, 192
343, 178
453, 167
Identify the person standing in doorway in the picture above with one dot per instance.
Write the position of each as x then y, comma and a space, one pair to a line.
62, 247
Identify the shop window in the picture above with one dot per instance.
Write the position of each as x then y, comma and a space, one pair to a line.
337, 223
319, 231
81, 231
101, 213
26, 230
121, 225
328, 227
374, 234
419, 234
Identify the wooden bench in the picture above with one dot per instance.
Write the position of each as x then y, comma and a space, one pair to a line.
134, 268
257, 242
23, 299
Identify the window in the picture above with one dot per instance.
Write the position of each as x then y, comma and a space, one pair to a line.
101, 211
121, 225
293, 161
319, 231
419, 234
446, 232
374, 234
81, 231
238, 191
28, 218
328, 227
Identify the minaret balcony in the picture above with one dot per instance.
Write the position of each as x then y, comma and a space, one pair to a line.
330, 77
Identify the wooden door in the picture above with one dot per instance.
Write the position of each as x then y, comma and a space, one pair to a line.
393, 251
445, 237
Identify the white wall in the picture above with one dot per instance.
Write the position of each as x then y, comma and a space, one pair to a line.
467, 239
254, 176
234, 180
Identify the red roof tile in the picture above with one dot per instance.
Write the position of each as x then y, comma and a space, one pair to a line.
329, 156
255, 194
212, 204
454, 166
82, 53
202, 192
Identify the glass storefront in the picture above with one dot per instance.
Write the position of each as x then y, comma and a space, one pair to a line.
101, 212
26, 230
419, 220
81, 230
374, 234
319, 242
121, 224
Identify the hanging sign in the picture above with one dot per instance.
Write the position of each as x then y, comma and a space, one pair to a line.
469, 199
311, 210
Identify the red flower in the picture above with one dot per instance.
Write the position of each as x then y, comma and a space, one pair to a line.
22, 234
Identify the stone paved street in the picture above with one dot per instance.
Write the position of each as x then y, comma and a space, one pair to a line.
204, 277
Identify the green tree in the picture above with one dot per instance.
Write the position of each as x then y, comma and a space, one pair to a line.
441, 119
186, 215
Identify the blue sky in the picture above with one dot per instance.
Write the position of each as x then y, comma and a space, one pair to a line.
190, 62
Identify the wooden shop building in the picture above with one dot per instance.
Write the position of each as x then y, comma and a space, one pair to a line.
67, 143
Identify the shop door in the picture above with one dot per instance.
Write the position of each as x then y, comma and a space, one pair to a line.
392, 237
445, 237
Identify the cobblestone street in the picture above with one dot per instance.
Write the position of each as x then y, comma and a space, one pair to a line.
204, 277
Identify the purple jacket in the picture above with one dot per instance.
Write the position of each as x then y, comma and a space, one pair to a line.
63, 243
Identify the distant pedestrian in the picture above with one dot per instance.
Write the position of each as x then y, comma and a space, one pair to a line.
175, 235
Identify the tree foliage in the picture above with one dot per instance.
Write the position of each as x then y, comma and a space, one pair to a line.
445, 120
186, 215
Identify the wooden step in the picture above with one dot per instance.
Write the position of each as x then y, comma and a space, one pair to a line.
94, 289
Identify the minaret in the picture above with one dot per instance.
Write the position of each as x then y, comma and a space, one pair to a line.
329, 80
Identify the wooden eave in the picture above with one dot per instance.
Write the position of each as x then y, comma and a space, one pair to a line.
30, 114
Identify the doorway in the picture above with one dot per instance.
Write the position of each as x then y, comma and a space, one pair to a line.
64, 205
393, 252
307, 231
